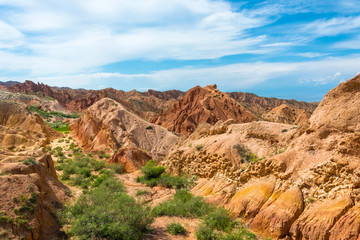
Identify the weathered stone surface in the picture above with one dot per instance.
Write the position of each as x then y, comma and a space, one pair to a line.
108, 126
317, 220
23, 180
276, 217
247, 202
348, 226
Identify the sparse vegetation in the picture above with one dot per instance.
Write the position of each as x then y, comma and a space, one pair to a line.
199, 147
30, 161
141, 192
107, 212
149, 127
155, 175
245, 154
175, 229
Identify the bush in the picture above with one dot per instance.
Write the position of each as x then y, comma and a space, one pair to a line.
30, 161
117, 167
184, 204
239, 234
205, 233
219, 219
150, 170
175, 228
107, 212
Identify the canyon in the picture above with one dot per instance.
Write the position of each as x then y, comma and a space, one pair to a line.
287, 169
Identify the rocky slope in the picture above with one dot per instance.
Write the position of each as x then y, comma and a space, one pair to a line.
30, 196
201, 105
108, 126
263, 105
22, 134
288, 115
310, 191
75, 100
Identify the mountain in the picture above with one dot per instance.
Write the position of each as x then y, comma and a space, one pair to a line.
145, 104
8, 83
201, 105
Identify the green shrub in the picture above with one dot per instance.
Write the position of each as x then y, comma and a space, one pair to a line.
239, 234
30, 161
150, 170
117, 167
107, 212
205, 233
175, 228
184, 204
219, 219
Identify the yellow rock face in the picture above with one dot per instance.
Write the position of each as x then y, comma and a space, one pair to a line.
247, 202
275, 219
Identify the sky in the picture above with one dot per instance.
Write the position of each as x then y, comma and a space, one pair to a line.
276, 48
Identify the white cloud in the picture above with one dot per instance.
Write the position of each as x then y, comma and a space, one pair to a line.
333, 26
312, 54
68, 37
241, 76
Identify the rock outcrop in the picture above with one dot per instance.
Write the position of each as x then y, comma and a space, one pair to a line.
227, 149
262, 105
202, 105
288, 115
108, 126
316, 193
30, 197
22, 134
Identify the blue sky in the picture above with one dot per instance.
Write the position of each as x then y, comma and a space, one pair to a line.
285, 48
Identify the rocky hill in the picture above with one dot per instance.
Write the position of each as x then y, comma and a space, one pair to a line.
30, 196
263, 105
201, 105
22, 134
108, 126
310, 190
288, 115
76, 100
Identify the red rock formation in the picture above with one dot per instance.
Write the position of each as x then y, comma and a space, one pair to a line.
131, 158
20, 181
108, 126
201, 105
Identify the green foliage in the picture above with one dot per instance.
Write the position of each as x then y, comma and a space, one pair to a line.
150, 170
245, 154
199, 147
106, 212
184, 204
48, 114
141, 192
240, 233
30, 161
155, 175
284, 130
205, 233
149, 127
219, 219
116, 167
175, 228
